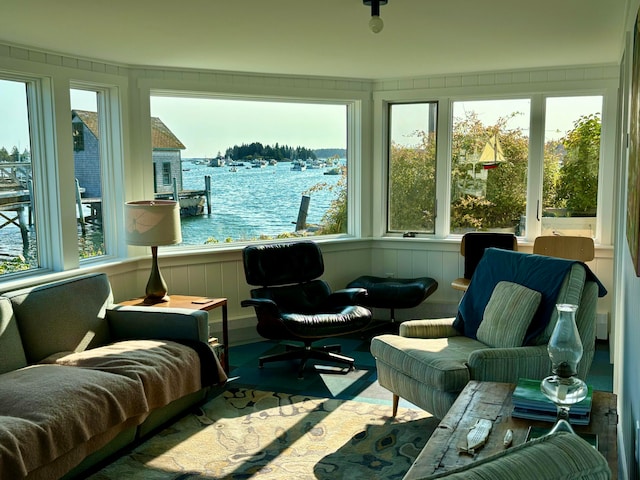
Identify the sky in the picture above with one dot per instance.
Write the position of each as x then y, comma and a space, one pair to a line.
207, 126
14, 124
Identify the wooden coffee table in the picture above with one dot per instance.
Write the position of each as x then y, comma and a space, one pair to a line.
492, 401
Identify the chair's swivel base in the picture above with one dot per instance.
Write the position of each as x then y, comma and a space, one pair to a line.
324, 353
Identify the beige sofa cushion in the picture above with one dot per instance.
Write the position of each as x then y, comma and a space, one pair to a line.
48, 410
167, 370
68, 315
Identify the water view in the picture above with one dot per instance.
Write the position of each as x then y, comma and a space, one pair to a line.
246, 203
250, 202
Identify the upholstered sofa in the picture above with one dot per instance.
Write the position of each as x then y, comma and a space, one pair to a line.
81, 378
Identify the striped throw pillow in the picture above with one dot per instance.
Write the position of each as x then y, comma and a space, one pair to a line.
508, 315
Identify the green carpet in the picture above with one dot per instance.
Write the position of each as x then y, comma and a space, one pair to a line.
244, 433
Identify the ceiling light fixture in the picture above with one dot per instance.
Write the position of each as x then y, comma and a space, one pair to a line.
375, 24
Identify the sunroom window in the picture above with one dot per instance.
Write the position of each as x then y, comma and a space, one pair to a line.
18, 233
88, 168
251, 169
571, 165
412, 167
489, 165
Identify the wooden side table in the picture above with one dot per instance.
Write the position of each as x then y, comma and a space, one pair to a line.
493, 401
194, 303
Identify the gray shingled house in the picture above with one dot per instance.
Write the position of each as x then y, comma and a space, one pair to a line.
167, 161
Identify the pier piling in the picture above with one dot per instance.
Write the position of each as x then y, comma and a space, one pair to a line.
301, 223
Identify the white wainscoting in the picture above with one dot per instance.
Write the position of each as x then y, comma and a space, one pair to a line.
219, 273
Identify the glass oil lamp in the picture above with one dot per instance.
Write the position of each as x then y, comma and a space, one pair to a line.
563, 387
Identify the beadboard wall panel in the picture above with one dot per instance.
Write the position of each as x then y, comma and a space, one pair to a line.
533, 77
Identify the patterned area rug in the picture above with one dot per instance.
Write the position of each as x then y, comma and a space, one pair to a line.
246, 433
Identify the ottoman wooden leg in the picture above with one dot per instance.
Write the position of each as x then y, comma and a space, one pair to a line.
394, 409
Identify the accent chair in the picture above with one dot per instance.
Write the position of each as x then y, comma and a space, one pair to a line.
500, 333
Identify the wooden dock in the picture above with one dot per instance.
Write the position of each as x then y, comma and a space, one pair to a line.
15, 209
192, 202
15, 198
16, 201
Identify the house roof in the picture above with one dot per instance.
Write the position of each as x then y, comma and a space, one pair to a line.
161, 137
330, 38
90, 119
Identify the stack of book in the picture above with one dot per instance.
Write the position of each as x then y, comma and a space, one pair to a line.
529, 402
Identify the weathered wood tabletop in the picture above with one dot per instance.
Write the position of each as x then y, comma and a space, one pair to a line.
492, 401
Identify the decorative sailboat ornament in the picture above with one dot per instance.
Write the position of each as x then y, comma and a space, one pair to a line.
492, 155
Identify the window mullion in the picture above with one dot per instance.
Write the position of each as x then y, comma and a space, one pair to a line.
536, 166
443, 168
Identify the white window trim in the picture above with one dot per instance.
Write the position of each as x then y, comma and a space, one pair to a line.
355, 146
604, 226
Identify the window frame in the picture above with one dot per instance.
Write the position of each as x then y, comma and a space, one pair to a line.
78, 136
450, 121
354, 147
40, 113
166, 173
52, 149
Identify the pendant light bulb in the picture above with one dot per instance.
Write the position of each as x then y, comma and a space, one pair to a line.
376, 24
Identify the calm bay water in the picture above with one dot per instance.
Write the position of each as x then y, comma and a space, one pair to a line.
254, 201
245, 204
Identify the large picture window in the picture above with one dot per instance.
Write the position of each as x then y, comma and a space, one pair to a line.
495, 177
250, 170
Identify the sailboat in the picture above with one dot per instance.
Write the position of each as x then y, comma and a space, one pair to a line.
492, 154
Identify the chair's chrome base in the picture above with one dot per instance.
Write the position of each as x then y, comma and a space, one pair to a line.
329, 353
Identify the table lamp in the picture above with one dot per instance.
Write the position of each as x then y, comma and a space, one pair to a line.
151, 223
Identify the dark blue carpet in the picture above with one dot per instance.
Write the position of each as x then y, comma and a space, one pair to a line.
360, 384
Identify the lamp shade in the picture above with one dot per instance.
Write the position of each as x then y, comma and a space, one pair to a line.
153, 222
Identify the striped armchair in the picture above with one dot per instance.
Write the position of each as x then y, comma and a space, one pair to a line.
431, 361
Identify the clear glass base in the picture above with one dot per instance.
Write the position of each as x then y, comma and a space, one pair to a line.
564, 392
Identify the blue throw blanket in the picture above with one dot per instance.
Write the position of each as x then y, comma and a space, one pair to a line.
537, 272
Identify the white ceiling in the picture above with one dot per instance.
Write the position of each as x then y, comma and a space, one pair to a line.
324, 37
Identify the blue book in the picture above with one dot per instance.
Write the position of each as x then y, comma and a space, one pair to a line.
529, 402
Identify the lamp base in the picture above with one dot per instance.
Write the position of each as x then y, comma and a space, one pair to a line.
151, 300
156, 291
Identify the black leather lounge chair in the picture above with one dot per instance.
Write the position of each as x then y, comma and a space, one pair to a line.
292, 303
